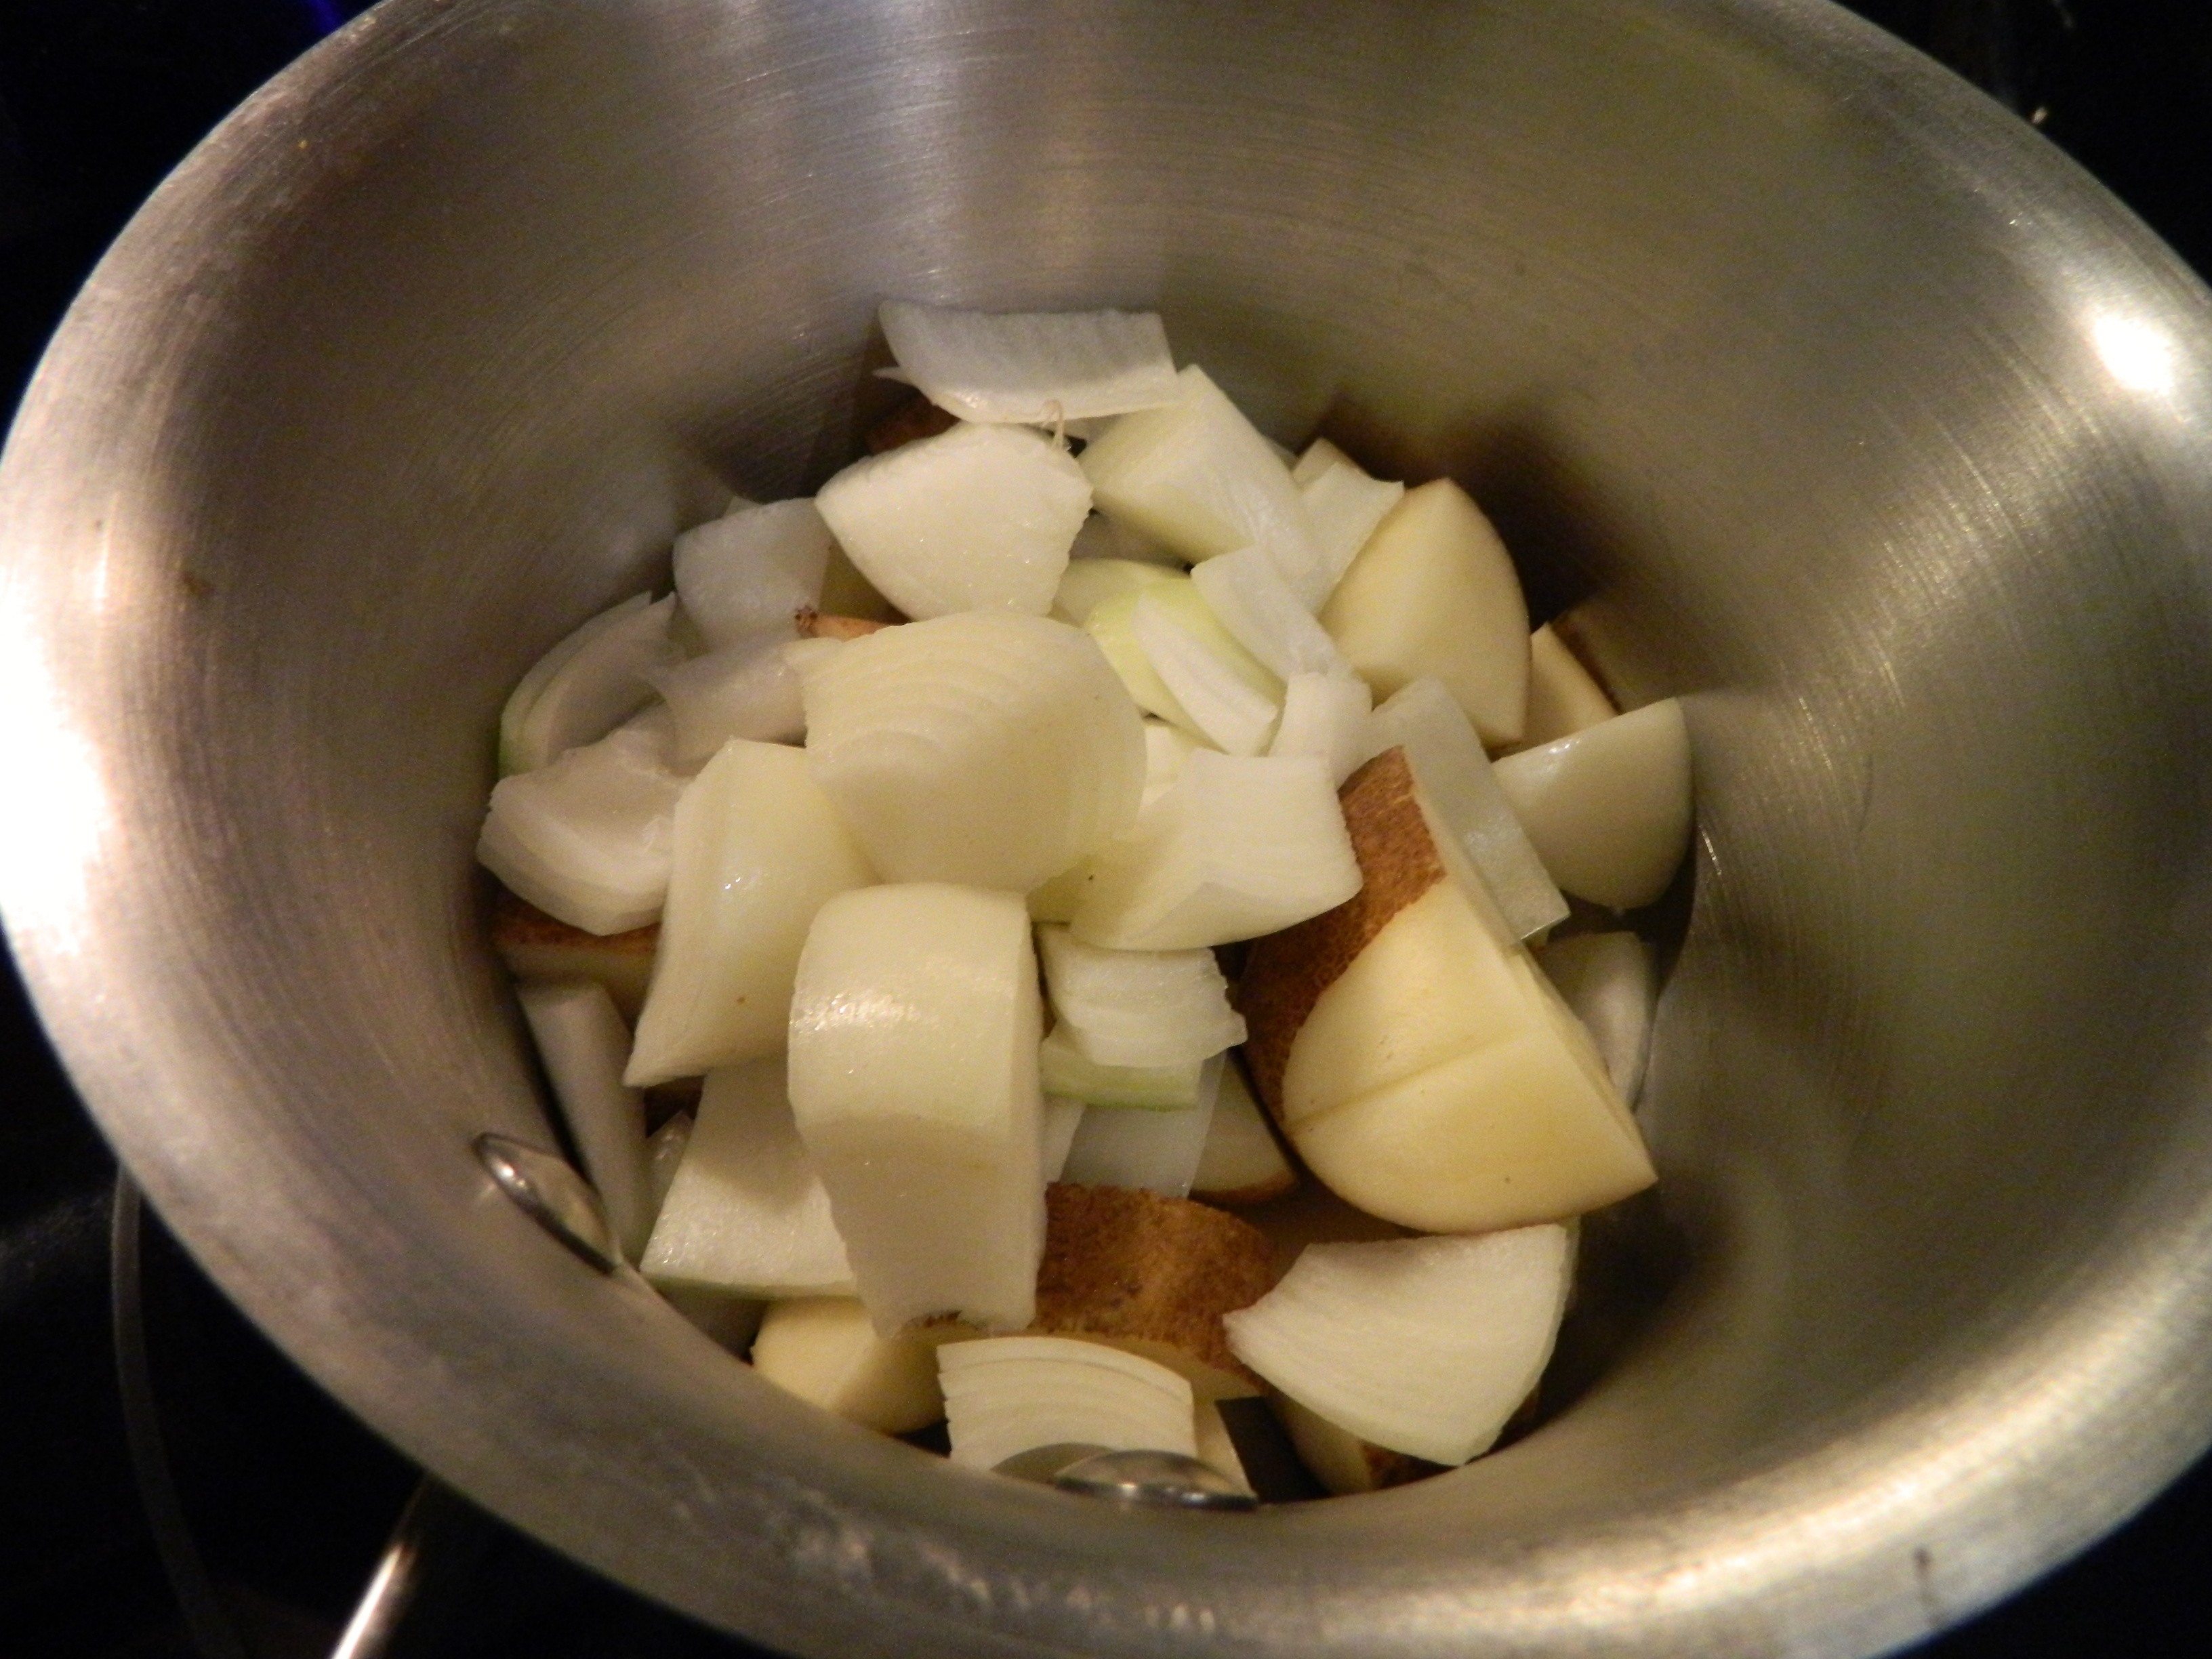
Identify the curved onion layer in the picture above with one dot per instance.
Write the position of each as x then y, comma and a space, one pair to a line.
1325, 715
1160, 1151
1421, 1345
586, 685
1563, 696
1006, 1395
749, 689
1231, 698
1235, 848
1253, 602
1089, 583
980, 517
1610, 982
1344, 503
747, 1212
1469, 796
1038, 367
1241, 1163
1056, 1131
758, 850
1609, 807
991, 750
1198, 477
587, 839
583, 1043
752, 570
1139, 1007
1064, 1070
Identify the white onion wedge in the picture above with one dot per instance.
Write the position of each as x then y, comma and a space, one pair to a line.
1422, 1346
1219, 701
1056, 1131
1064, 1070
1111, 626
1007, 1395
915, 1028
824, 1349
1240, 1163
1085, 586
1139, 1007
1101, 538
758, 850
991, 750
1608, 808
1160, 1151
980, 517
752, 570
749, 689
664, 1154
1563, 698
1198, 477
1248, 594
1235, 848
587, 839
747, 1212
586, 685
1466, 792
1608, 980
1325, 715
583, 1043
1036, 367
1343, 502
1167, 748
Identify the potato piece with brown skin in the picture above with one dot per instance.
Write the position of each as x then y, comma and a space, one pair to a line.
816, 625
1152, 1275
535, 945
1340, 1460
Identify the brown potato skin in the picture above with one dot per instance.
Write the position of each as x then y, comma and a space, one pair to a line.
535, 945
814, 625
1285, 972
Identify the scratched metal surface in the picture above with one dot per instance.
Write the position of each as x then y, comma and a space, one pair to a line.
1880, 428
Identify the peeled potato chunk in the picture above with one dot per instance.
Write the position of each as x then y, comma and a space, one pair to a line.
824, 1349
1418, 1059
1240, 1163
1563, 698
1433, 592
1608, 808
989, 751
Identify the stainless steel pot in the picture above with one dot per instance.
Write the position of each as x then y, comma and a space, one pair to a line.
1884, 432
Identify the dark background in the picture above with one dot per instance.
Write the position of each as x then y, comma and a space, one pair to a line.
288, 1498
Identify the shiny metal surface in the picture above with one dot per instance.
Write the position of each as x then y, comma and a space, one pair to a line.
1884, 432
546, 1188
1158, 1479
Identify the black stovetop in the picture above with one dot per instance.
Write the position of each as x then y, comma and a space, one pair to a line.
288, 1499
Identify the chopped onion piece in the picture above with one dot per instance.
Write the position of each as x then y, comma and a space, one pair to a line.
1253, 602
1101, 538
1038, 367
587, 839
980, 517
991, 750
1160, 1151
1563, 697
1426, 722
1325, 715
664, 1153
1608, 980
1344, 504
1139, 1007
758, 850
583, 1043
752, 570
1221, 702
1010, 1394
748, 689
1198, 477
1167, 750
1608, 808
1056, 1131
1238, 847
586, 685
1241, 1163
1421, 1345
1086, 586
1064, 1069
747, 1212
1110, 625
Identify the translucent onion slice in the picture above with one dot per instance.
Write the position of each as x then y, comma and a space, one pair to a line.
586, 685
758, 850
664, 1153
1197, 477
1088, 584
1064, 1070
1038, 367
1167, 750
1240, 1164
747, 1213
752, 570
1160, 1151
1344, 503
587, 839
1257, 607
1110, 625
1457, 777
991, 750
1139, 1007
1225, 707
748, 689
1609, 981
583, 1043
1608, 808
1055, 1132
1007, 1395
1421, 1345
980, 517
1325, 715
1238, 847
